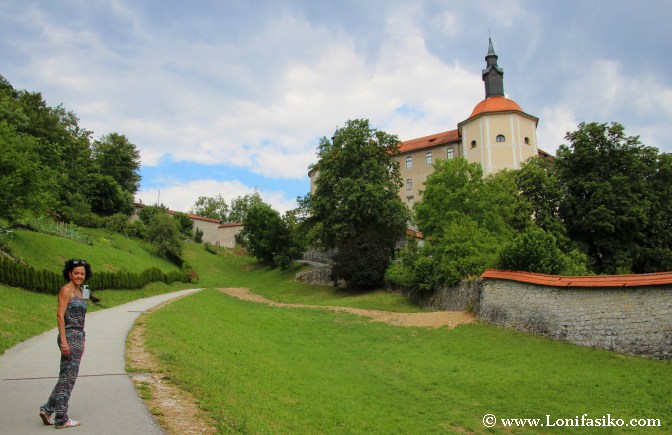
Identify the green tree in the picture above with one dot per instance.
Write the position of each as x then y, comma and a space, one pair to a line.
107, 197
268, 236
465, 219
184, 224
23, 188
615, 188
535, 250
214, 207
356, 198
241, 204
114, 155
163, 233
539, 184
147, 213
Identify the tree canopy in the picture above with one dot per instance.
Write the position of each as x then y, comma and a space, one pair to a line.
356, 201
56, 169
616, 199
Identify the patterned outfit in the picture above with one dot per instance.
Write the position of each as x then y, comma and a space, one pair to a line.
74, 333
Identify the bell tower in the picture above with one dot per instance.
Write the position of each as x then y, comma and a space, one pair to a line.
493, 74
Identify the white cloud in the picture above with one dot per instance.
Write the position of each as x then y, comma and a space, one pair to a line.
182, 196
202, 102
554, 123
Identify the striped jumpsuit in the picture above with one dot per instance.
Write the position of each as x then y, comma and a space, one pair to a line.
74, 333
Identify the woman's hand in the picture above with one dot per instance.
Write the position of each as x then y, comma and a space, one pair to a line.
65, 351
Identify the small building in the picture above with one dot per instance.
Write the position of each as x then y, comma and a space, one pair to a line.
214, 231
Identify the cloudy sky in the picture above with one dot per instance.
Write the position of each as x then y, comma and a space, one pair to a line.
224, 96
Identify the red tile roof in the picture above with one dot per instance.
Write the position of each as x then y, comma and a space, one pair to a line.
192, 216
495, 104
663, 278
237, 224
429, 141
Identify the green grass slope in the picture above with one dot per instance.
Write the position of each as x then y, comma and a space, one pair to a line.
261, 369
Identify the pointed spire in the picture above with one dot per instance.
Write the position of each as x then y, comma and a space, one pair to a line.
493, 75
491, 49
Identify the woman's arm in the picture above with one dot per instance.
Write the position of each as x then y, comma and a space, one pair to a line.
64, 297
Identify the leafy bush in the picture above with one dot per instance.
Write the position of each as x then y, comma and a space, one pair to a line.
58, 229
535, 250
198, 235
163, 233
5, 235
208, 247
184, 224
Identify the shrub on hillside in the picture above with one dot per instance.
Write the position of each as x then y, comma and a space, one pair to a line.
535, 250
163, 233
17, 274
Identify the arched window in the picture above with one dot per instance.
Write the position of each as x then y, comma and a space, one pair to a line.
473, 144
527, 140
500, 138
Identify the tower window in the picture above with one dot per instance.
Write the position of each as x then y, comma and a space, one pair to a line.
409, 162
428, 158
451, 153
500, 138
473, 144
409, 184
527, 140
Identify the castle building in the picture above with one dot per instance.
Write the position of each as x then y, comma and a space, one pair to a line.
498, 134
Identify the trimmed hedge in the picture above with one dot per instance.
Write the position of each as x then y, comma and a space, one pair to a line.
15, 274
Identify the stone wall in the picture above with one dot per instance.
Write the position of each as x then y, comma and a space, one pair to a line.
464, 296
634, 320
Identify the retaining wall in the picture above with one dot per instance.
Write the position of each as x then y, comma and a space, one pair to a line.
634, 320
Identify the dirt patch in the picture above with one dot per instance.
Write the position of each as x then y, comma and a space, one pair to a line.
432, 319
174, 409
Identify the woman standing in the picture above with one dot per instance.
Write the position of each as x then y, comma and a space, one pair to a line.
70, 317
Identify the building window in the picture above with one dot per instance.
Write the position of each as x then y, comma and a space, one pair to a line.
409, 162
500, 138
451, 153
409, 184
473, 144
410, 200
428, 158
527, 140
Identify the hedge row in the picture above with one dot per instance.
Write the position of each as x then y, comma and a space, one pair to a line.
17, 274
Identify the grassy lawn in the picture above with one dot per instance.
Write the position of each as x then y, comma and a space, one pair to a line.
110, 251
228, 270
24, 314
260, 369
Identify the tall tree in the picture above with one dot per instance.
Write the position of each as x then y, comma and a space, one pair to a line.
23, 186
214, 207
611, 201
356, 200
241, 204
465, 219
538, 183
116, 156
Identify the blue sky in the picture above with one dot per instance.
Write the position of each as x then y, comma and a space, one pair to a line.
222, 97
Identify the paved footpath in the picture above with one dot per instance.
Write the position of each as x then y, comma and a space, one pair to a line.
104, 398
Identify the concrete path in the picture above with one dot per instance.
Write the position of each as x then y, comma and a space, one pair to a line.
104, 398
